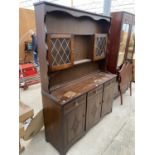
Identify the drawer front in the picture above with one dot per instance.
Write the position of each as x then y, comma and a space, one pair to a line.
110, 81
95, 91
74, 104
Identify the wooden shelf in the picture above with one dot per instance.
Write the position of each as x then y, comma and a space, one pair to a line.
82, 61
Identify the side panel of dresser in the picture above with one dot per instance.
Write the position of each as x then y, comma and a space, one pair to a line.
53, 121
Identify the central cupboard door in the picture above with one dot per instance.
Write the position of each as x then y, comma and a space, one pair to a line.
74, 119
94, 102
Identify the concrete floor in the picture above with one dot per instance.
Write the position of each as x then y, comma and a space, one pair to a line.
113, 135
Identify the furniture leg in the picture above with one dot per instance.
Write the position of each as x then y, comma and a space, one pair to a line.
121, 95
21, 148
130, 88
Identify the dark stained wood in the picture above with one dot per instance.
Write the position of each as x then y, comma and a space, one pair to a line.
118, 19
83, 45
114, 46
72, 74
94, 102
108, 97
75, 120
81, 86
72, 87
53, 125
125, 78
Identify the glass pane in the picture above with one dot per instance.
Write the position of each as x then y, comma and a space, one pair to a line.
60, 51
100, 46
131, 44
123, 42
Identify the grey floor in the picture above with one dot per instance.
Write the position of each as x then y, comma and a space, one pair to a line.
114, 135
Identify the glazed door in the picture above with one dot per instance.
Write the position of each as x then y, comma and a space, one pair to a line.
74, 120
123, 43
100, 45
131, 46
60, 55
108, 96
94, 101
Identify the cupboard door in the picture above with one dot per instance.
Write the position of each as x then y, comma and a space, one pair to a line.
74, 123
60, 55
100, 45
94, 101
108, 96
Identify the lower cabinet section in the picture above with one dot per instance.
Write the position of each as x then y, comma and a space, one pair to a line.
65, 124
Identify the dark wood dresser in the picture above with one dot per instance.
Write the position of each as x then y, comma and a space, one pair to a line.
121, 44
77, 91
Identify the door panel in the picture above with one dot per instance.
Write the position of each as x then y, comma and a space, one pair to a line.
74, 123
94, 101
108, 96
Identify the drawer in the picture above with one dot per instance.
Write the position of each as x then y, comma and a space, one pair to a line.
95, 91
110, 81
74, 104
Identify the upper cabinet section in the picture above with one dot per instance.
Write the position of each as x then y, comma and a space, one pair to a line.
69, 37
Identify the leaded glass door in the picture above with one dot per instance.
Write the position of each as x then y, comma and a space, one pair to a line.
60, 51
100, 44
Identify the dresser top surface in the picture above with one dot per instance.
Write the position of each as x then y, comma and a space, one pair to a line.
78, 87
